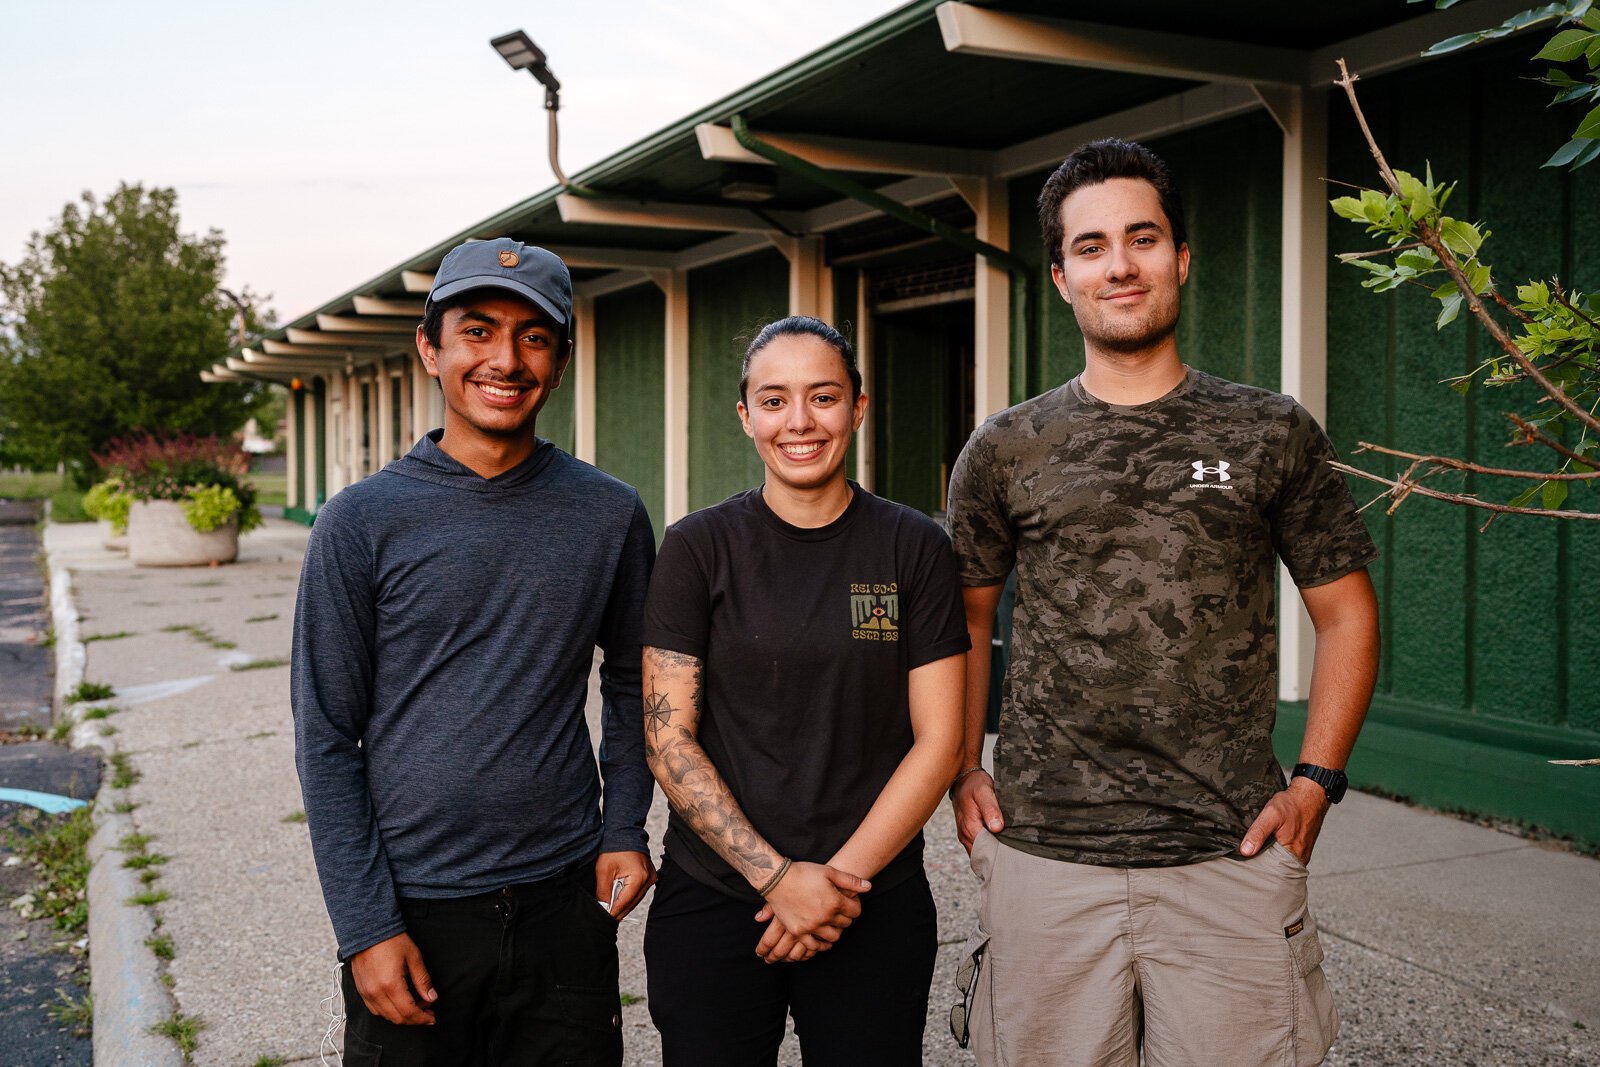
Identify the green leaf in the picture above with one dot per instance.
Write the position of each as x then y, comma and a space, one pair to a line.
1566, 153
1566, 46
1448, 313
1419, 260
1590, 126
1451, 44
1533, 293
1462, 238
1587, 156
1463, 386
1348, 207
1554, 495
1524, 498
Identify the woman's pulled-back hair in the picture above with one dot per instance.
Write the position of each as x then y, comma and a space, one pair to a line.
810, 327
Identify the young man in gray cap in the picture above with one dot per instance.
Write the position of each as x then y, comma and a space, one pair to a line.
449, 609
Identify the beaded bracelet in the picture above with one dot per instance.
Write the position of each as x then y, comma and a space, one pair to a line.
772, 883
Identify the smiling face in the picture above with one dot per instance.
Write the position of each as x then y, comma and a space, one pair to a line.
1120, 270
498, 360
799, 412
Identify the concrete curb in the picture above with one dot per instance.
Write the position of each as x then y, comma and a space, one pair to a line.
128, 997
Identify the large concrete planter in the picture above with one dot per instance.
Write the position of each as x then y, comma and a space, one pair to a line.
159, 535
109, 537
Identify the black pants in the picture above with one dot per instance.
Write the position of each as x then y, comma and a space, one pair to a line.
717, 1003
525, 975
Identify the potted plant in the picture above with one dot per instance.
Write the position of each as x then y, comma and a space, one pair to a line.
108, 501
188, 500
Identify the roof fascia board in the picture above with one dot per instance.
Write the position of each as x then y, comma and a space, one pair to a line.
664, 216
338, 324
1401, 45
577, 257
296, 336
416, 281
971, 30
372, 305
718, 145
288, 348
1181, 111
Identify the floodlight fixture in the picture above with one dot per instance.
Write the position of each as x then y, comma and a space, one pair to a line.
520, 53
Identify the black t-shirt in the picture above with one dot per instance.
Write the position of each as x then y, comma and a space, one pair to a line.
807, 636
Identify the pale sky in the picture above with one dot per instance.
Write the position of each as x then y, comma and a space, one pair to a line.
330, 140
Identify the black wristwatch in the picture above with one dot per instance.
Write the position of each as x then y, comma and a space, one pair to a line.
1333, 783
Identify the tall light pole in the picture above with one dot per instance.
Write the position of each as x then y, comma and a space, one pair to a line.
520, 53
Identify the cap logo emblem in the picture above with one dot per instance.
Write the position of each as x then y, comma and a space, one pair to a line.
508, 258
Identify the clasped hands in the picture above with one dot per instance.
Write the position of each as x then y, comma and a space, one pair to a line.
808, 911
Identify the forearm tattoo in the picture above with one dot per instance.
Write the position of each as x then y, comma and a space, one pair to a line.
693, 787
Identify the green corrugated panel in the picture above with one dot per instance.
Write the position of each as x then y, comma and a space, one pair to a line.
629, 376
1519, 571
728, 303
1583, 538
555, 418
1229, 325
919, 358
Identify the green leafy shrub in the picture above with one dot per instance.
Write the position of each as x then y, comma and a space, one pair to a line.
107, 500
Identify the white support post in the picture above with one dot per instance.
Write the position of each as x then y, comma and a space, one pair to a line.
581, 376
422, 390
384, 423
1303, 365
806, 274
991, 379
675, 455
291, 448
866, 457
404, 382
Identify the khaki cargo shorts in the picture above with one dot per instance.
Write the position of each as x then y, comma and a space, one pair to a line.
1213, 963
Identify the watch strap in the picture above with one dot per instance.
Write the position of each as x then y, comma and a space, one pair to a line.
1333, 783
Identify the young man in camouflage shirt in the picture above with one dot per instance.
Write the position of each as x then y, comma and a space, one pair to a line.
1143, 861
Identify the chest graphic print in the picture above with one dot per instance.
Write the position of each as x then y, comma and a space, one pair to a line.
875, 611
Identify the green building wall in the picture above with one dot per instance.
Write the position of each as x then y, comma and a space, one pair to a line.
630, 346
728, 303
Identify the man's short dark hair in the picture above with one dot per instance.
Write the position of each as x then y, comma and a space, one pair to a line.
1097, 162
433, 316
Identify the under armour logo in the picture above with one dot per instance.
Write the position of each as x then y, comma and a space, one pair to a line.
1201, 470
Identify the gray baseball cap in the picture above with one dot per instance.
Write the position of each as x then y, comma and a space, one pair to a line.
533, 273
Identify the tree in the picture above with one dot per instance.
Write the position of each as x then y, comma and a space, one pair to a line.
1545, 337
112, 315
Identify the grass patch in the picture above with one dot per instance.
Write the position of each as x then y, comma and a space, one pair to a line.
119, 635
108, 730
182, 1029
57, 847
259, 736
61, 730
145, 859
271, 489
124, 807
147, 877
134, 842
149, 898
30, 485
75, 1013
101, 711
270, 1061
124, 774
630, 999
294, 816
199, 633
258, 664
160, 946
49, 638
66, 505
90, 691
262, 618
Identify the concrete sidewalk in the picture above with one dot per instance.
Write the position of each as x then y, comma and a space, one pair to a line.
1447, 942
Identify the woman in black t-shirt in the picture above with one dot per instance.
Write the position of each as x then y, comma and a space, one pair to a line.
803, 677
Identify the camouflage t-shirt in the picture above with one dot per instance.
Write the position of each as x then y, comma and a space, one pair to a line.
1136, 727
